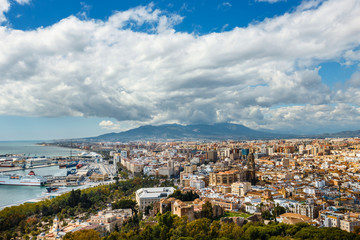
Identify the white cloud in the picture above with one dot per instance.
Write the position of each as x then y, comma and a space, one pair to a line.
106, 124
115, 69
224, 6
5, 7
119, 126
354, 81
22, 2
227, 4
109, 125
302, 119
224, 27
271, 1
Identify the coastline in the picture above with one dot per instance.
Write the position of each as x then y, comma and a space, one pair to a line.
17, 195
36, 148
46, 196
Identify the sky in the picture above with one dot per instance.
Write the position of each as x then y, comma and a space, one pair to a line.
72, 69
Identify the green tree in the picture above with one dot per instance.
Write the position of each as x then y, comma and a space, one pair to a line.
335, 233
83, 235
113, 236
252, 233
226, 230
85, 201
165, 225
295, 228
74, 198
278, 210
126, 203
266, 215
207, 210
215, 229
199, 228
309, 233
180, 230
187, 196
147, 233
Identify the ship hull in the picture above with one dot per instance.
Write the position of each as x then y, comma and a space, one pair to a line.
22, 184
69, 165
22, 180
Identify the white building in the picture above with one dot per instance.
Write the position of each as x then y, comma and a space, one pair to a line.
124, 154
147, 196
240, 188
251, 208
197, 183
349, 224
320, 183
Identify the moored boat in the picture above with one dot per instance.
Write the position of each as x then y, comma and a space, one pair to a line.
29, 180
68, 165
7, 164
51, 189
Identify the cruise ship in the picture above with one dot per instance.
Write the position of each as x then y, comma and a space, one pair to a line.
29, 180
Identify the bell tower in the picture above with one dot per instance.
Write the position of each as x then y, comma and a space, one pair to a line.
250, 171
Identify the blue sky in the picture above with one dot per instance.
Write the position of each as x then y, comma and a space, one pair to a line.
200, 16
82, 68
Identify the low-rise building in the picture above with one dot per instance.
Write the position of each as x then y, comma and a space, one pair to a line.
240, 188
147, 196
349, 224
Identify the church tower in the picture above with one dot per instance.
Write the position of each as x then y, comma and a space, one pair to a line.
56, 226
250, 171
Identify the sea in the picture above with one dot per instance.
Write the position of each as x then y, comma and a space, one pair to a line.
34, 149
12, 195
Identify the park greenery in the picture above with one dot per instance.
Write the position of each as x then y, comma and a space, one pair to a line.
172, 227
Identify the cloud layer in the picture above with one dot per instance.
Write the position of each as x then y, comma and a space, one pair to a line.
134, 67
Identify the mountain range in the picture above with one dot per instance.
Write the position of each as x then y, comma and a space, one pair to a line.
217, 131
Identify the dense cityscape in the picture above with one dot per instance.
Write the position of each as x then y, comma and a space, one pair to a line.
296, 181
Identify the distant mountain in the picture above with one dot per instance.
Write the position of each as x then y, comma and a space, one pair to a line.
218, 131
343, 134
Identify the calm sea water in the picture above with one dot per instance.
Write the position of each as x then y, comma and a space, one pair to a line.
18, 194
32, 149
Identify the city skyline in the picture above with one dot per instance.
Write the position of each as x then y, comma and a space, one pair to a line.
73, 69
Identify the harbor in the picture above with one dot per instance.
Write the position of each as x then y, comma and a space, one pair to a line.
31, 178
25, 194
58, 180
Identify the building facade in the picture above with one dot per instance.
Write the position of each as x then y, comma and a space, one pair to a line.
237, 175
147, 196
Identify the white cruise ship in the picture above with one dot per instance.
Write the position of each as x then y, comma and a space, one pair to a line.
29, 180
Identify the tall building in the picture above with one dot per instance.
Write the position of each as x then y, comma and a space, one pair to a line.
285, 162
171, 167
212, 156
250, 171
